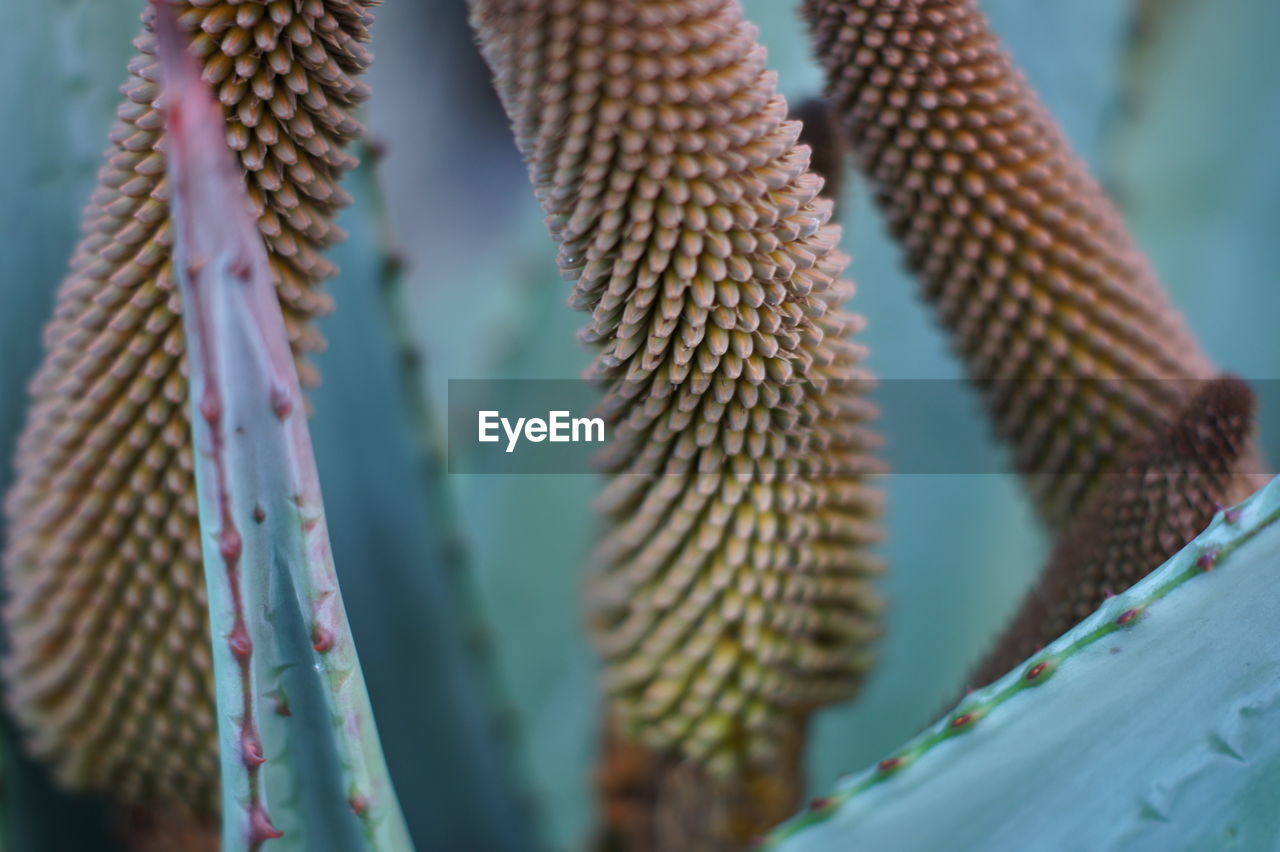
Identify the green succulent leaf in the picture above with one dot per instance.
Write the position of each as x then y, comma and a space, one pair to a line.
1147, 726
300, 755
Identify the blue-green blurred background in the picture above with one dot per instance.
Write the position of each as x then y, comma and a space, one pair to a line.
465, 590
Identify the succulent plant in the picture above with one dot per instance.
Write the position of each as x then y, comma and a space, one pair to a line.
180, 657
267, 558
107, 602
1172, 748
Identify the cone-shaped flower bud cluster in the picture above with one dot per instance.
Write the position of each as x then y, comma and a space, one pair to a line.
734, 581
1162, 495
109, 672
1026, 261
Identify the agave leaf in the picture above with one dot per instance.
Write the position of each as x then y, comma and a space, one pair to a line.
403, 570
1147, 726
483, 298
291, 694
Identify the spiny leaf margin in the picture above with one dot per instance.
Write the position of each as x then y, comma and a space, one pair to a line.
258, 488
1208, 554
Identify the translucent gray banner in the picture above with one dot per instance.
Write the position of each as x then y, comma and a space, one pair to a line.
555, 426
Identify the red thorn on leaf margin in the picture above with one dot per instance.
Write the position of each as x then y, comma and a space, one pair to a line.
251, 748
359, 805
241, 268
260, 827
210, 406
230, 545
281, 401
241, 644
321, 639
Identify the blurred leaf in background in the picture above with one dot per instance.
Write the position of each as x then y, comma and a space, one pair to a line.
400, 561
1190, 155
485, 300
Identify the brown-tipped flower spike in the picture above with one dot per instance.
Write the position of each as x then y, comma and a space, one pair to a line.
1161, 496
734, 585
109, 673
1028, 264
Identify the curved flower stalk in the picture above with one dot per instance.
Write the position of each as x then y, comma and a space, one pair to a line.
733, 589
1027, 263
1161, 496
109, 671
